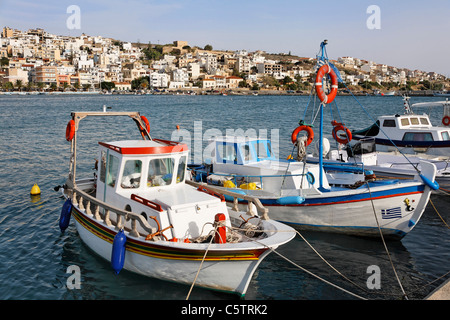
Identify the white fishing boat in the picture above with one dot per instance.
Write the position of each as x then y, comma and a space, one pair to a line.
140, 214
410, 131
340, 199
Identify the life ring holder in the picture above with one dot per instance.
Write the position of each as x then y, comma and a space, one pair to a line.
308, 130
70, 130
340, 127
310, 178
446, 120
326, 70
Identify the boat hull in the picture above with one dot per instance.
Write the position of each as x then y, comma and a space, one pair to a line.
436, 147
393, 210
228, 270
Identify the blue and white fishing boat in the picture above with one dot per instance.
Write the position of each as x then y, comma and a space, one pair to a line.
335, 198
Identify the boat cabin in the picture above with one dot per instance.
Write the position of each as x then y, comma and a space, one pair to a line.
407, 127
148, 177
242, 150
249, 163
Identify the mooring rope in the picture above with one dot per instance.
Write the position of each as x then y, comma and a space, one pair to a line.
384, 242
305, 270
201, 264
439, 214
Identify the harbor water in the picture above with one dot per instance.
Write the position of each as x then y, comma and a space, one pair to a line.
35, 255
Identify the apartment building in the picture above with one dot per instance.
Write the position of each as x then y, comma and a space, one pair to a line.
159, 80
16, 74
269, 68
46, 74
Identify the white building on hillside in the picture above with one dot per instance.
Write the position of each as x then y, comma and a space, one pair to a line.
159, 80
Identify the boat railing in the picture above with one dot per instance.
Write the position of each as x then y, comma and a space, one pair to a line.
414, 164
251, 201
92, 206
246, 178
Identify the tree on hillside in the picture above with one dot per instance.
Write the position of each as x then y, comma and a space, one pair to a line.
8, 86
107, 85
19, 84
208, 47
4, 61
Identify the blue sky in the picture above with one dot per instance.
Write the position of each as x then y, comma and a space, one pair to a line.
414, 34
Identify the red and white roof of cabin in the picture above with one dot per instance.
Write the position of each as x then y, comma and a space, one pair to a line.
145, 147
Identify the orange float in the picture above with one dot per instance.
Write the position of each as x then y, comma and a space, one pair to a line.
326, 70
340, 127
308, 130
70, 130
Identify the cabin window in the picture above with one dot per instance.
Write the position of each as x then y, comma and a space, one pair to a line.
131, 176
424, 121
160, 172
389, 123
181, 169
263, 150
113, 168
227, 152
445, 135
414, 121
246, 153
405, 122
418, 136
102, 166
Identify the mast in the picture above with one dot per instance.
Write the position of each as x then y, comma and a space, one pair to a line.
321, 58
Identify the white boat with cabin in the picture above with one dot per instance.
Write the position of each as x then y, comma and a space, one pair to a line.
410, 131
140, 214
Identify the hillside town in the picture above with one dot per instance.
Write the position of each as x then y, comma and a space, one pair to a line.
38, 61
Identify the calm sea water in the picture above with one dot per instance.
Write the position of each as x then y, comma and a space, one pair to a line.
35, 255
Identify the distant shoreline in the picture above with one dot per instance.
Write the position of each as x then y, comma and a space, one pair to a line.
196, 91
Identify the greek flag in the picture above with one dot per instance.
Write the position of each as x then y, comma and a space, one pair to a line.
393, 213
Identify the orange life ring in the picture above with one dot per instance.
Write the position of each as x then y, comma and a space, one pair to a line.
70, 130
326, 69
147, 124
446, 120
308, 130
340, 127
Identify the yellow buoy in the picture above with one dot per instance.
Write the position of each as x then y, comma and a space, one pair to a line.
229, 184
248, 186
35, 190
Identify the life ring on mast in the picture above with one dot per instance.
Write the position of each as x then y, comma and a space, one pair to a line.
340, 127
446, 120
326, 69
308, 130
70, 130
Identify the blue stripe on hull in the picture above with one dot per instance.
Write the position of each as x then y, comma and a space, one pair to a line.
365, 196
412, 144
